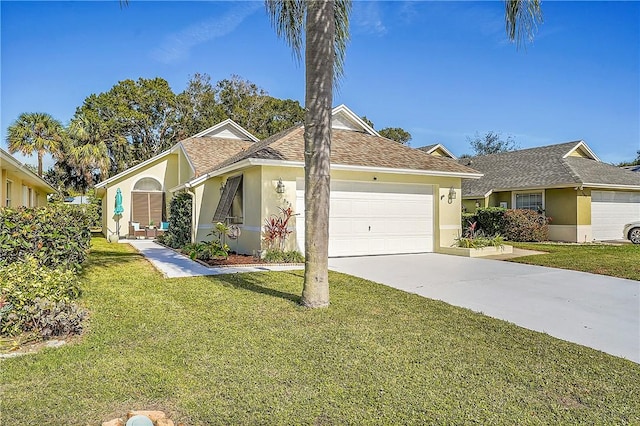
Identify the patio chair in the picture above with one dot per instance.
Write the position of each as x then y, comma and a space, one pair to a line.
135, 230
164, 227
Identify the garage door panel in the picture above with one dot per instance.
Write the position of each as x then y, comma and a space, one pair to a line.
376, 218
610, 211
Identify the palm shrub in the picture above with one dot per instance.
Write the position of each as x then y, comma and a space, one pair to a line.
179, 232
56, 235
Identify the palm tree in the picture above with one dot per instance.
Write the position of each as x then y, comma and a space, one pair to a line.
37, 132
86, 150
325, 25
326, 32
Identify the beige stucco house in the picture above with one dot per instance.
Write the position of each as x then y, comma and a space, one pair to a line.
586, 198
385, 198
19, 186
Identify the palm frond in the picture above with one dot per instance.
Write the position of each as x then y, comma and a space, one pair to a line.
521, 19
287, 18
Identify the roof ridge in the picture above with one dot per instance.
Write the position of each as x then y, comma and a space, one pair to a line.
555, 145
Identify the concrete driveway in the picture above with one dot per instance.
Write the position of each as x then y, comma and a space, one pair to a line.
592, 310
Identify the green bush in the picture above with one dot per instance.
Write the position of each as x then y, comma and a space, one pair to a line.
55, 235
283, 256
491, 220
525, 226
25, 285
179, 232
50, 319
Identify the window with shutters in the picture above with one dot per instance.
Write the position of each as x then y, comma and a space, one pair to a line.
147, 202
230, 207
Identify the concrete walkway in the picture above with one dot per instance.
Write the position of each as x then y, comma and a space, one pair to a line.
593, 310
174, 265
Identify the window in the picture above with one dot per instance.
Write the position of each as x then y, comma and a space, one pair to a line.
230, 206
8, 188
531, 201
147, 202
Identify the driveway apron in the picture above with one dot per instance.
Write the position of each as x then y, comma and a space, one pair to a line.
592, 310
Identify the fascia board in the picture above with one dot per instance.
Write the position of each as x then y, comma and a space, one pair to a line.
133, 169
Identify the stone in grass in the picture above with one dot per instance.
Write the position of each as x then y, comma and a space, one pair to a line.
114, 422
139, 421
153, 415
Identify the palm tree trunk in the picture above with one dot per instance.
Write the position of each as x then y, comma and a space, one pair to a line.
319, 62
40, 154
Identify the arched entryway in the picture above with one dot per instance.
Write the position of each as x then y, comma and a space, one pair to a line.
147, 202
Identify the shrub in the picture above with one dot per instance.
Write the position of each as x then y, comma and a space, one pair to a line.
275, 255
467, 219
55, 235
491, 220
25, 285
50, 319
276, 229
525, 225
179, 232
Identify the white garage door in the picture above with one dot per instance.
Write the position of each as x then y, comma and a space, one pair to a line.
375, 218
610, 210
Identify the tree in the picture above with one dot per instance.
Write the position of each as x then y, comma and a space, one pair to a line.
395, 133
326, 31
35, 132
491, 143
635, 162
87, 152
325, 25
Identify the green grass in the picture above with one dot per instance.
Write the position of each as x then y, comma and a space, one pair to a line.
621, 261
238, 349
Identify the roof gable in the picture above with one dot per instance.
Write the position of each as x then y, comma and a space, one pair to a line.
10, 163
342, 118
438, 150
581, 150
227, 129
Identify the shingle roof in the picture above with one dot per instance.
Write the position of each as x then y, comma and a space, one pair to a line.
206, 152
541, 167
427, 148
349, 148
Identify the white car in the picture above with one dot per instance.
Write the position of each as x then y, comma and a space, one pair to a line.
631, 232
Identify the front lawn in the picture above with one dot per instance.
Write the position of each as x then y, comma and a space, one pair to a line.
621, 261
238, 349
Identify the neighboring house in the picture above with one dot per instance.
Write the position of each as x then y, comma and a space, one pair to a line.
438, 150
632, 168
385, 197
585, 198
19, 186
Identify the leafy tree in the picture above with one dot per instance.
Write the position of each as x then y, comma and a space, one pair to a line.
35, 132
396, 133
197, 107
325, 26
635, 162
87, 152
491, 143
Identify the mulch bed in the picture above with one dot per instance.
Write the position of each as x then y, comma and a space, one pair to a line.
235, 259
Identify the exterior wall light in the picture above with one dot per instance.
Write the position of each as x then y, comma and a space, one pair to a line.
452, 195
280, 187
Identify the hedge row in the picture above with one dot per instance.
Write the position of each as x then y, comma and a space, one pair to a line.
55, 235
512, 225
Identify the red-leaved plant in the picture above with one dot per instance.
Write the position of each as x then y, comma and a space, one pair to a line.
276, 229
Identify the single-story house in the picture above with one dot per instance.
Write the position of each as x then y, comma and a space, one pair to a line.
438, 150
385, 197
19, 186
585, 198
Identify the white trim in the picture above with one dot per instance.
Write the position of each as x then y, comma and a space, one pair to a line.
584, 146
137, 167
343, 109
184, 154
606, 186
220, 125
405, 171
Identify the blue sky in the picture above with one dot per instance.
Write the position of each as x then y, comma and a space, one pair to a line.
441, 70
